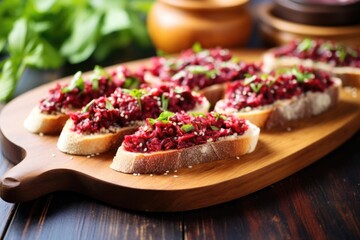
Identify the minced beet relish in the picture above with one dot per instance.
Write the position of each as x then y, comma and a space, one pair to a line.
198, 70
183, 130
321, 51
124, 108
258, 91
59, 100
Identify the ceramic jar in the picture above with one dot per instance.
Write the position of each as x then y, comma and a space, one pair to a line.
175, 25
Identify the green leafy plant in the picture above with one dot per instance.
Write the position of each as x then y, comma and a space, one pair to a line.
46, 34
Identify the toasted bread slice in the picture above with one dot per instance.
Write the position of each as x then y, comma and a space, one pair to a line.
162, 161
86, 144
38, 122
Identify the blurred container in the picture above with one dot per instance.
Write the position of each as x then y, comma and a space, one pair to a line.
319, 12
277, 31
175, 25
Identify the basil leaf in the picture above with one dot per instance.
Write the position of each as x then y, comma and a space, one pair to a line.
11, 72
187, 127
76, 82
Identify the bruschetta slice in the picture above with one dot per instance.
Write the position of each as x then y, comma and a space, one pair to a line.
272, 100
175, 140
343, 61
50, 115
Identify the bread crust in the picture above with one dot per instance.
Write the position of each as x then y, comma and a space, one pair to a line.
85, 144
283, 111
38, 122
350, 76
162, 161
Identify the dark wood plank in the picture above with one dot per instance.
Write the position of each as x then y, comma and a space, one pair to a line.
6, 209
66, 215
320, 202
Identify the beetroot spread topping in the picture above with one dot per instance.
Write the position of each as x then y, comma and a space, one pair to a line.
81, 91
182, 130
198, 68
262, 90
321, 51
127, 107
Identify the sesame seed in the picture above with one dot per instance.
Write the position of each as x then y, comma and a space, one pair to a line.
167, 171
41, 134
71, 158
88, 156
237, 157
151, 175
53, 155
135, 174
175, 176
165, 174
189, 166
175, 170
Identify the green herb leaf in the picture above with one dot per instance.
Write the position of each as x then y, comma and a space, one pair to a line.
352, 52
163, 117
97, 74
341, 53
151, 121
264, 76
235, 59
76, 82
136, 93
198, 69
108, 105
218, 115
305, 45
197, 47
249, 79
197, 114
301, 77
215, 128
131, 83
161, 53
187, 127
256, 87
164, 102
87, 107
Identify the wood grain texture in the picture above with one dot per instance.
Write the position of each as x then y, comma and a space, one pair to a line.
279, 154
70, 216
319, 202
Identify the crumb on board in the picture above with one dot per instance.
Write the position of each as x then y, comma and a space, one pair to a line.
53, 155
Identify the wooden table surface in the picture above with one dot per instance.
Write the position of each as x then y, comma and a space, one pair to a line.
321, 201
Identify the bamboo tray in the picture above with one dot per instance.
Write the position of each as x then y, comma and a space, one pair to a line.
42, 169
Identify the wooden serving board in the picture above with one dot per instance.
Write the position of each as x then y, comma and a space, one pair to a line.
279, 153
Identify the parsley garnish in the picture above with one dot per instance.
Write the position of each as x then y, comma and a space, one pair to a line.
87, 107
136, 93
131, 83
198, 69
164, 102
256, 87
301, 77
197, 47
305, 45
218, 115
108, 105
215, 128
187, 127
196, 114
76, 82
163, 117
